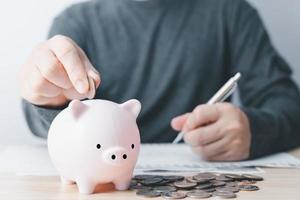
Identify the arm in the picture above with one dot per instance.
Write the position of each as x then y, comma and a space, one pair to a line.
268, 121
270, 99
39, 118
44, 96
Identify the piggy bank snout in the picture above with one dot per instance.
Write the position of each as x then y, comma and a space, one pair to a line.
116, 155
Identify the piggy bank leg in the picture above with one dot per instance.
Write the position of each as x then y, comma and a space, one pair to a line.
85, 186
123, 182
66, 181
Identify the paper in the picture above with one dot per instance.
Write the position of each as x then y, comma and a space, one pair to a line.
155, 158
180, 156
27, 160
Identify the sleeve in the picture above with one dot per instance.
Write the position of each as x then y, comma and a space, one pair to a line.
269, 96
69, 23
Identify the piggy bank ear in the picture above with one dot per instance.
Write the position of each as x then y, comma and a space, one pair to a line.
133, 106
77, 108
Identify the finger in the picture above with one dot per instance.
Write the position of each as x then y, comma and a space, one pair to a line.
203, 135
178, 122
52, 101
201, 115
73, 94
213, 149
68, 55
41, 86
91, 71
51, 69
223, 156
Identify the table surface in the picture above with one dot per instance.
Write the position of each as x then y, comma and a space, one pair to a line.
278, 184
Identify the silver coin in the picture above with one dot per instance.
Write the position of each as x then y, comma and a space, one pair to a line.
209, 190
174, 195
204, 186
139, 187
231, 184
148, 193
164, 189
235, 176
218, 183
248, 187
253, 177
173, 178
133, 183
166, 182
143, 176
204, 177
191, 179
228, 189
224, 195
184, 184
222, 177
151, 181
198, 194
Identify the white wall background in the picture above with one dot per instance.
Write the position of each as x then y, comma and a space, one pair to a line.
25, 23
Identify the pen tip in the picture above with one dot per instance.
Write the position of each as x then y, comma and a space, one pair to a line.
237, 76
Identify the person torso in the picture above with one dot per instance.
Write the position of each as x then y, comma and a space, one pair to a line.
169, 54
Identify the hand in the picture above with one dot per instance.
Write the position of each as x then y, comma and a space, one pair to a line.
56, 72
218, 132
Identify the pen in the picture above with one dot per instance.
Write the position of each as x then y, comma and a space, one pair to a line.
223, 93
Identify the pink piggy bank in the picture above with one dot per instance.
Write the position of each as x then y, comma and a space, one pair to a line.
95, 142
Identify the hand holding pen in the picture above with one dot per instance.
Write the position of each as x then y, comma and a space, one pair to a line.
216, 131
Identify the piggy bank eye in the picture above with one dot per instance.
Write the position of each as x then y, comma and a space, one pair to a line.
132, 146
98, 146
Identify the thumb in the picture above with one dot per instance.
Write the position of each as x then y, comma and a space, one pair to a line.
178, 122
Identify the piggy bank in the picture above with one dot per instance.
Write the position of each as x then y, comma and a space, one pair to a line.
95, 142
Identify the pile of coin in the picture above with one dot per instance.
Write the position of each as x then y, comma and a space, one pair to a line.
199, 186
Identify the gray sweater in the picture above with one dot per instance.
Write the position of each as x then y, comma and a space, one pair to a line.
173, 55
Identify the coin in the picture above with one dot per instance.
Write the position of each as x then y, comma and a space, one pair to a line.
204, 186
218, 183
253, 177
164, 182
198, 194
184, 184
191, 179
199, 186
148, 193
174, 195
151, 181
224, 195
164, 189
246, 182
228, 189
173, 178
92, 89
235, 176
209, 190
143, 176
133, 182
231, 184
248, 187
139, 187
204, 177
223, 178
